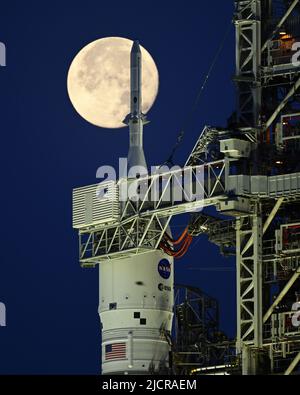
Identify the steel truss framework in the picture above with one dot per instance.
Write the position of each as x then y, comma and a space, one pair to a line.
254, 340
266, 341
142, 223
254, 77
249, 284
198, 340
248, 62
200, 150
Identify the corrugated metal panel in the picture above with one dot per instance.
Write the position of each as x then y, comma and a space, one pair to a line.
286, 184
274, 186
239, 184
95, 204
259, 185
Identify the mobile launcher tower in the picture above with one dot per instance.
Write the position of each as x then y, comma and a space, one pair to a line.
251, 173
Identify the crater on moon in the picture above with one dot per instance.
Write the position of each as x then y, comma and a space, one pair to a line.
99, 81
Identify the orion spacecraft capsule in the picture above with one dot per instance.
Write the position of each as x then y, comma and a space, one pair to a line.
136, 293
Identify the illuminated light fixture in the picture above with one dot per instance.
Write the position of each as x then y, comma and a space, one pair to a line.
286, 37
278, 162
212, 370
282, 31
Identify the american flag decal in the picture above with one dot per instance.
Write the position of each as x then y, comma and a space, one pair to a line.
115, 351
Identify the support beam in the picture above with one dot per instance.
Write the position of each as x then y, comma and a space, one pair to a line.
282, 294
278, 299
280, 23
248, 62
238, 225
292, 365
249, 291
266, 224
257, 281
282, 105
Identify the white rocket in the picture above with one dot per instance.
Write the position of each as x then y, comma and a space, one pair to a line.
136, 293
136, 119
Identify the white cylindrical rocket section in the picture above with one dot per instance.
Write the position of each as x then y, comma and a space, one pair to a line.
136, 119
136, 293
136, 312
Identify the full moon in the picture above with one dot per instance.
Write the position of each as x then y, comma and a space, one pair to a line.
99, 81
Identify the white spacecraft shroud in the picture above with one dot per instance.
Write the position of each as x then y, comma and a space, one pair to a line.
136, 293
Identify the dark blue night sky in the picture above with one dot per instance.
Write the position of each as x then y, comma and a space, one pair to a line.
47, 149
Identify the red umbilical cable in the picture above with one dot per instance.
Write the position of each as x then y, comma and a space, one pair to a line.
179, 240
181, 251
184, 249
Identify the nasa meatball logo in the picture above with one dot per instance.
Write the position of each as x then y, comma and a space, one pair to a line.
164, 268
